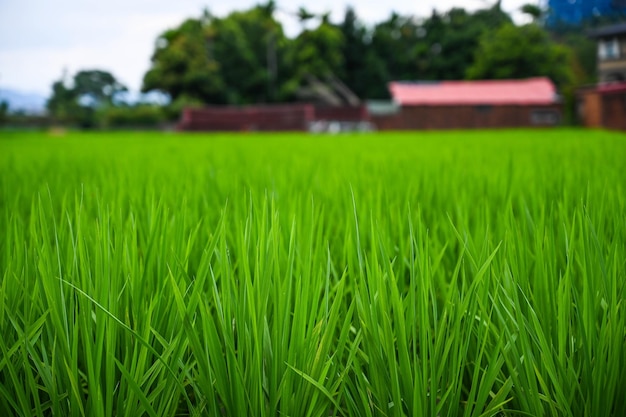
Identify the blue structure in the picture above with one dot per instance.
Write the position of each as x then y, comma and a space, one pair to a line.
574, 12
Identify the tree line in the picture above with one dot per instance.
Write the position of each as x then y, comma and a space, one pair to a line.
246, 57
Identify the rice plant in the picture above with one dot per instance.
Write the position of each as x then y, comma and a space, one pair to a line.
406, 274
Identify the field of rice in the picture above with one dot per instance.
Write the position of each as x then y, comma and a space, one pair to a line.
395, 274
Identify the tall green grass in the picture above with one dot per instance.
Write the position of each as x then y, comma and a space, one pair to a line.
423, 274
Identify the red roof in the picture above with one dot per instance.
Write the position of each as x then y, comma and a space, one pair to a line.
536, 91
614, 87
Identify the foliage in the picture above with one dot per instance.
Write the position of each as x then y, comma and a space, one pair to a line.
533, 10
78, 101
63, 104
318, 52
97, 88
363, 70
584, 55
251, 49
246, 58
455, 39
175, 108
237, 59
521, 52
583, 67
182, 65
137, 116
430, 274
4, 111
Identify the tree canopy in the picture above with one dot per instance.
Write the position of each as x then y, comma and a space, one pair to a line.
236, 59
77, 101
520, 52
245, 56
97, 88
182, 64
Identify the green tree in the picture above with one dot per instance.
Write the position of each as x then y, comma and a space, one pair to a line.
396, 42
183, 66
97, 88
252, 51
584, 51
4, 111
450, 45
440, 47
364, 72
533, 10
90, 90
63, 103
237, 59
246, 58
450, 40
317, 52
583, 66
521, 52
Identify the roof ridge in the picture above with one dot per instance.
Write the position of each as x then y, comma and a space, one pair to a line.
535, 90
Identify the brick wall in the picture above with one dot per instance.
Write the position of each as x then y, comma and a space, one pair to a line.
614, 111
591, 108
286, 117
254, 118
469, 117
604, 106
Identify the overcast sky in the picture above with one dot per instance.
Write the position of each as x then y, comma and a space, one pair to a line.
39, 39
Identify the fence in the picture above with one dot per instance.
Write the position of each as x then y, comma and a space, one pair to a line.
284, 117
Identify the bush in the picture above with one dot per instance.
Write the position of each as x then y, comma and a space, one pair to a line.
142, 115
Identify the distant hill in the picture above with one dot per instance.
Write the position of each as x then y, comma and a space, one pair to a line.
23, 101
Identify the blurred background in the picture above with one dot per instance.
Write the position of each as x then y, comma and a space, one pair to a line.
88, 64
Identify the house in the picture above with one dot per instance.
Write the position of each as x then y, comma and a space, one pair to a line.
604, 105
611, 52
472, 104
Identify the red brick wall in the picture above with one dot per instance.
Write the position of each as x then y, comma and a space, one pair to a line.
467, 117
605, 109
343, 114
614, 111
287, 117
267, 118
591, 108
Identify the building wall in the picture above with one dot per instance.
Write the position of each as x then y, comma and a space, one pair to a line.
590, 108
604, 109
614, 111
612, 69
468, 117
298, 117
263, 118
283, 117
344, 114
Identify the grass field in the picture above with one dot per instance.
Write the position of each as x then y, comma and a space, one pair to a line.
413, 274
